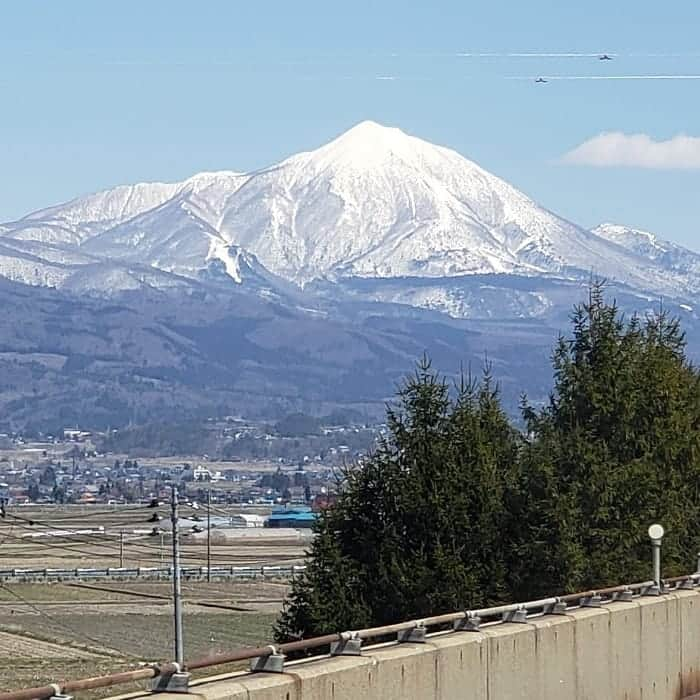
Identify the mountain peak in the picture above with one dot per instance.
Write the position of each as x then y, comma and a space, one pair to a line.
369, 144
371, 129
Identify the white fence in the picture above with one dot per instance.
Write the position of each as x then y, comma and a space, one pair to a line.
190, 573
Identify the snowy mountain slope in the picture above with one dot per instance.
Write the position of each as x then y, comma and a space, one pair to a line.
210, 192
84, 217
48, 252
669, 255
373, 203
23, 266
170, 237
43, 265
492, 297
75, 270
176, 237
75, 221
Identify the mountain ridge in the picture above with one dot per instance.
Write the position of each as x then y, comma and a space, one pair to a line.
372, 203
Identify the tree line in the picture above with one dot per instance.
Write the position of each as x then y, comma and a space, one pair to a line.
457, 508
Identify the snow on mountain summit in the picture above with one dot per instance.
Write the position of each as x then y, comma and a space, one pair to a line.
366, 145
642, 242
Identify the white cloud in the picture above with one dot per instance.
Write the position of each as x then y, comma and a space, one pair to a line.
616, 149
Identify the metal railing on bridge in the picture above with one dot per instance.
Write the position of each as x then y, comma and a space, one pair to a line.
172, 677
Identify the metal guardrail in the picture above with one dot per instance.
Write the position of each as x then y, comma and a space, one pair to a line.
150, 573
270, 658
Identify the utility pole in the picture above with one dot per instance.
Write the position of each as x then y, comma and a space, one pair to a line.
161, 547
209, 534
177, 591
121, 549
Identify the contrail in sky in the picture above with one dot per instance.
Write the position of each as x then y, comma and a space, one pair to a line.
568, 54
532, 54
603, 77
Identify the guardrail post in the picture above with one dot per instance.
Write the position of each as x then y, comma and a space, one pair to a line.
59, 694
272, 663
177, 682
559, 607
624, 596
468, 623
593, 601
348, 645
416, 634
519, 615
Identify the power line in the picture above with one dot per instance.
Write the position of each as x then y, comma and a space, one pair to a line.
112, 549
114, 511
35, 545
26, 551
9, 534
94, 540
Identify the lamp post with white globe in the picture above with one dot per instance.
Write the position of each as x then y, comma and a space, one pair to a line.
656, 533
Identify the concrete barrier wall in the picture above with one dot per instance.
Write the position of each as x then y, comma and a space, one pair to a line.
646, 649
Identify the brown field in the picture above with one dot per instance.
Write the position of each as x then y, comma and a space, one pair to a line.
74, 630
14, 645
53, 631
65, 554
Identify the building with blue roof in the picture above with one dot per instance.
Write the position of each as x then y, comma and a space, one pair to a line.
292, 516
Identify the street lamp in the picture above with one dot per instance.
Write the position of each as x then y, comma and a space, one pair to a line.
656, 534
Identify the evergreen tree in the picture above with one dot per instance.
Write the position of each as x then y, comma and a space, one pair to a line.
328, 594
615, 450
418, 527
485, 452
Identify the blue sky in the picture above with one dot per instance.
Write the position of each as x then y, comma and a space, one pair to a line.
96, 94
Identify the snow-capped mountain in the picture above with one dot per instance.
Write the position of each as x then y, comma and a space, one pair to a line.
312, 283
375, 203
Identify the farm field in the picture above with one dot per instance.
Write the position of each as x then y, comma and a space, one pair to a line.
57, 631
71, 629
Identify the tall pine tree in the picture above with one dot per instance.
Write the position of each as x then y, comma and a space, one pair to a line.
615, 450
419, 527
